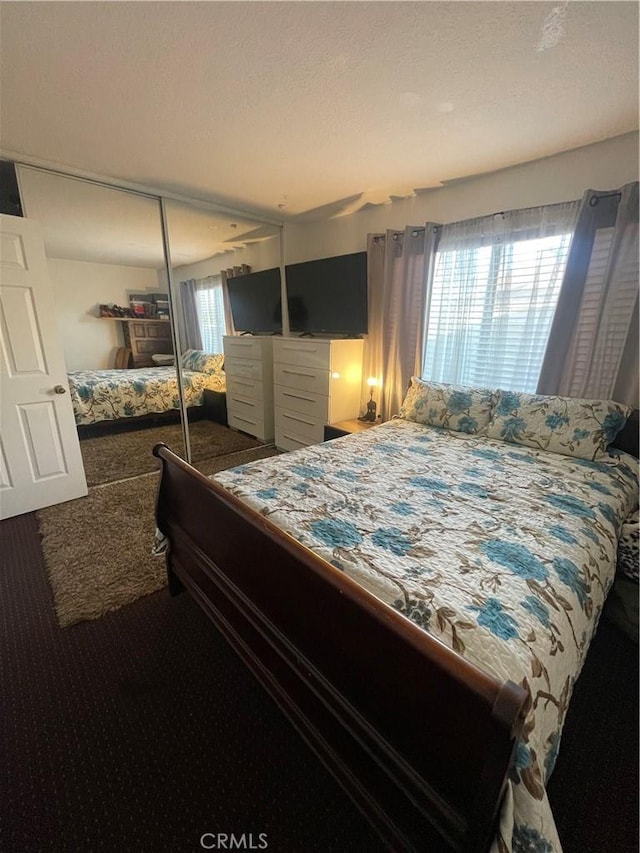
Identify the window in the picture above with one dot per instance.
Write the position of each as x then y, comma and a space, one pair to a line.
491, 304
210, 308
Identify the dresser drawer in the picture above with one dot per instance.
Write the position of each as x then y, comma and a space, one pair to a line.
302, 353
245, 387
243, 347
249, 424
237, 404
305, 402
314, 380
303, 426
245, 367
288, 440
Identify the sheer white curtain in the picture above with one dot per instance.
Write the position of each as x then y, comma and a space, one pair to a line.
492, 296
593, 345
396, 287
211, 313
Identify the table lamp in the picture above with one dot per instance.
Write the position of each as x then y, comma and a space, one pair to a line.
371, 405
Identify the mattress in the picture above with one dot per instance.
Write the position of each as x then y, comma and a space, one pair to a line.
504, 553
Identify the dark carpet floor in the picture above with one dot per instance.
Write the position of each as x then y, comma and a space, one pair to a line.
141, 731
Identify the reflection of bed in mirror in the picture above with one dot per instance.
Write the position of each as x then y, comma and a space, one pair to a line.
104, 247
112, 395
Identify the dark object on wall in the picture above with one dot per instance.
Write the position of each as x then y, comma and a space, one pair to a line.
9, 192
328, 296
255, 301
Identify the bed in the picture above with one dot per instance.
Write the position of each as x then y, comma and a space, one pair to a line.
419, 598
108, 395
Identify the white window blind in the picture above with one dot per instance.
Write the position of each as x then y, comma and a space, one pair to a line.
210, 308
606, 311
490, 310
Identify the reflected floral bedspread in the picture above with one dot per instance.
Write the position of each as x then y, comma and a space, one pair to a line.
504, 553
105, 395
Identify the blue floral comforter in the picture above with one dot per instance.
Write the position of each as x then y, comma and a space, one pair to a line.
504, 553
105, 395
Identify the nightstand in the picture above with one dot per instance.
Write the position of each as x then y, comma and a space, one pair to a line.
347, 427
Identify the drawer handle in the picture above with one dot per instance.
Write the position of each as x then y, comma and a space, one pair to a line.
244, 402
246, 384
298, 397
300, 420
300, 373
240, 418
299, 349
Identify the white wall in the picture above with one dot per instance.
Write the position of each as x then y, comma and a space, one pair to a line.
262, 255
562, 177
78, 288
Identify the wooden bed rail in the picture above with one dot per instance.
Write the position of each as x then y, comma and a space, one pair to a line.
419, 738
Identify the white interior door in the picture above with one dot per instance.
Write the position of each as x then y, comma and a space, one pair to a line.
40, 459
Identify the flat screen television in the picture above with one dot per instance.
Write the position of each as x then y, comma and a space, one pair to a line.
255, 302
328, 296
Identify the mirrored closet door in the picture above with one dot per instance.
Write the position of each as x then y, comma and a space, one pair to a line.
142, 307
107, 268
209, 248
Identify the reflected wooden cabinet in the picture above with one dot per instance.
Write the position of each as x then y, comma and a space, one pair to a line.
145, 338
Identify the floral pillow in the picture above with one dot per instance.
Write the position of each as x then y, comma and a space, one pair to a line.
213, 363
572, 427
202, 362
453, 407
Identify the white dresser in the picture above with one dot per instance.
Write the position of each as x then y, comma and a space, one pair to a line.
316, 382
248, 366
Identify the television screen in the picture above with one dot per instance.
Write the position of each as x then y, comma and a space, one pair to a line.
328, 296
255, 301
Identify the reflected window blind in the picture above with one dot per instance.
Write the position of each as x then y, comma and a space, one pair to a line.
605, 314
491, 310
210, 307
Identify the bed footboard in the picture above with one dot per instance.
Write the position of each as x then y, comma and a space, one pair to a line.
419, 738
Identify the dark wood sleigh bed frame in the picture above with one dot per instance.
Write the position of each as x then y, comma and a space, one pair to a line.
420, 739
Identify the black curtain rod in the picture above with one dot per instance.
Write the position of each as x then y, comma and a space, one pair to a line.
415, 231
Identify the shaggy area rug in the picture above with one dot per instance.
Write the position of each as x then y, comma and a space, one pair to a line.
128, 454
97, 549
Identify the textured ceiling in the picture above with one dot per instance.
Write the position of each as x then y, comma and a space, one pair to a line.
310, 105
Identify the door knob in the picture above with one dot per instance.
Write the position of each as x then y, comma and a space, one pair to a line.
59, 389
